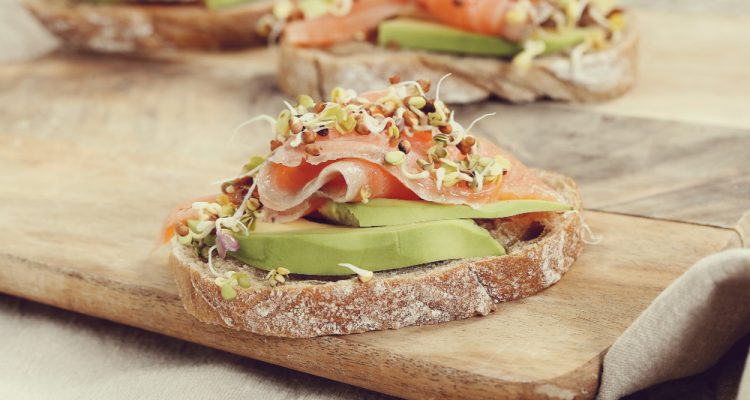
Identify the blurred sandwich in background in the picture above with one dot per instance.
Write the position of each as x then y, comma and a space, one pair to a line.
127, 26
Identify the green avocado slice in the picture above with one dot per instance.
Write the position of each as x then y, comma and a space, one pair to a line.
319, 250
386, 212
419, 34
221, 4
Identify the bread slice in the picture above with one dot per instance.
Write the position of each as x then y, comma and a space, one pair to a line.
129, 28
360, 65
420, 295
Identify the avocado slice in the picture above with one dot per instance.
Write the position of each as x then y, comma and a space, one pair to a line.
386, 212
220, 4
417, 34
425, 35
317, 249
556, 42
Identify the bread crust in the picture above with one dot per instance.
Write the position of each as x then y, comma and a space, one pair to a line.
420, 295
602, 75
133, 28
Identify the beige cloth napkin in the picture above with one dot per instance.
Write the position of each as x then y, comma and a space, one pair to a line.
686, 329
21, 36
48, 353
744, 391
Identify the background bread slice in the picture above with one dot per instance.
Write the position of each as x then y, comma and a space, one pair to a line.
420, 295
359, 65
147, 28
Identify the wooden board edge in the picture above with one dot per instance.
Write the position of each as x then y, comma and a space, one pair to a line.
737, 234
345, 361
743, 229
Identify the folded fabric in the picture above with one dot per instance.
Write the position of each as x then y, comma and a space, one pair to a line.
686, 329
21, 36
744, 392
49, 353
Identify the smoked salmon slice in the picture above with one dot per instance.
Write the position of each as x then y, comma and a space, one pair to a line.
391, 144
364, 16
350, 164
489, 17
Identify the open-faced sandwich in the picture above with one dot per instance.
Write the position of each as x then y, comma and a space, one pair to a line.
372, 211
519, 50
124, 26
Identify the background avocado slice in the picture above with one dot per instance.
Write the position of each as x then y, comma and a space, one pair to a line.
319, 251
219, 4
385, 212
425, 35
555, 42
417, 34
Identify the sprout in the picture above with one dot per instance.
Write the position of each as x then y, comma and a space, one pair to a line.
282, 123
226, 210
437, 88
341, 95
451, 178
254, 163
395, 157
439, 176
364, 193
531, 49
297, 140
410, 175
504, 162
185, 240
417, 102
305, 101
439, 117
373, 124
393, 131
243, 280
478, 183
471, 125
450, 165
210, 261
346, 124
333, 112
616, 22
283, 9
277, 276
228, 292
364, 275
263, 117
416, 84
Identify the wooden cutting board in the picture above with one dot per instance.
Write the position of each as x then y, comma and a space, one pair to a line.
94, 152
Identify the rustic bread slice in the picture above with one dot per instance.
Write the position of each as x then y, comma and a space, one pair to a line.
127, 28
360, 65
420, 295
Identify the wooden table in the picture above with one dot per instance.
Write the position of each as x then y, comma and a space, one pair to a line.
96, 149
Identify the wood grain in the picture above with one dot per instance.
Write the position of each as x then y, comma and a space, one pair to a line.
640, 166
692, 67
95, 151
